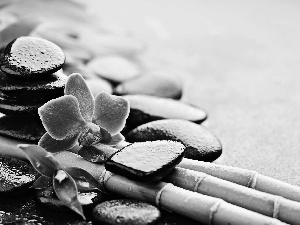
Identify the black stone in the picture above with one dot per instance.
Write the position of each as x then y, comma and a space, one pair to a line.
144, 109
31, 57
23, 128
147, 161
125, 212
15, 175
200, 143
155, 84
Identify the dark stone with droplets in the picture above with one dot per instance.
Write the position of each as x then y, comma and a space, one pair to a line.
144, 109
47, 198
125, 212
16, 175
146, 161
31, 57
23, 128
200, 143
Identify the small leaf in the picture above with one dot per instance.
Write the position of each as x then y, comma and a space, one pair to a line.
42, 182
84, 180
52, 145
110, 112
66, 190
61, 117
43, 161
77, 87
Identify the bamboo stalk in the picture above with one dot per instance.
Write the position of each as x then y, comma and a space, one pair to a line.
244, 177
264, 203
205, 209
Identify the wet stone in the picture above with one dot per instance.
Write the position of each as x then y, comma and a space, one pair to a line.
47, 198
31, 57
114, 68
200, 143
15, 175
147, 161
155, 84
126, 212
21, 127
144, 109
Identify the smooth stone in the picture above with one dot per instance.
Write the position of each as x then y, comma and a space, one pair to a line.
144, 109
200, 143
97, 85
78, 67
32, 57
155, 84
126, 212
15, 175
52, 84
114, 68
23, 128
147, 161
47, 197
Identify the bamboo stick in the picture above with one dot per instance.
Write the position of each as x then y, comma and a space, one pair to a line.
264, 203
205, 209
244, 177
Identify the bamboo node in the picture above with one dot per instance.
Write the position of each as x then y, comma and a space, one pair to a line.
253, 180
214, 209
158, 195
276, 206
200, 179
105, 175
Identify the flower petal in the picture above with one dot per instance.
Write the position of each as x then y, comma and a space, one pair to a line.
84, 180
96, 153
43, 161
52, 145
77, 87
116, 139
42, 182
61, 117
66, 190
110, 112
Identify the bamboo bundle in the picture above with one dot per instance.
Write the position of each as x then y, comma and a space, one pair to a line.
205, 209
244, 177
264, 203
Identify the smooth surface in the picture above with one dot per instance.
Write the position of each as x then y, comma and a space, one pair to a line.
242, 60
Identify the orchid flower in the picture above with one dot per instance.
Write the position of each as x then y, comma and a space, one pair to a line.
66, 181
78, 117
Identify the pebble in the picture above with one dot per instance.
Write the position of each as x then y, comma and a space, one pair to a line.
114, 68
146, 161
200, 143
47, 197
15, 175
156, 84
126, 212
31, 57
144, 109
24, 128
97, 85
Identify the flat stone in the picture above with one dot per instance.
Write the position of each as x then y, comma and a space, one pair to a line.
159, 84
114, 68
31, 57
147, 161
126, 212
15, 175
23, 128
200, 143
12, 107
47, 198
144, 109
52, 84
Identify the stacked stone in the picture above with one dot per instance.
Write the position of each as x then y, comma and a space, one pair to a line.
30, 76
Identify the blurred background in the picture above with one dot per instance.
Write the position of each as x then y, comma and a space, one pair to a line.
239, 60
